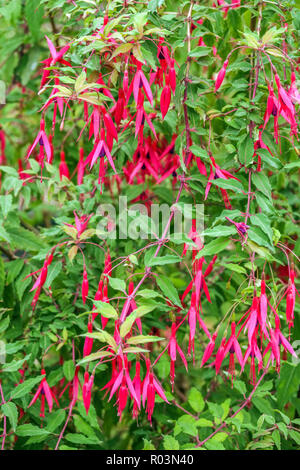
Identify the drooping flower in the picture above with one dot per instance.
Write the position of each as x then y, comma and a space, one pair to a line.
45, 392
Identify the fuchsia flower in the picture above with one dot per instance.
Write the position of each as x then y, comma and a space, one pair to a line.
88, 342
43, 141
277, 339
240, 226
137, 384
293, 91
253, 352
221, 75
55, 57
80, 167
215, 173
45, 392
63, 167
173, 348
41, 279
233, 348
209, 349
123, 382
193, 315
151, 386
84, 286
87, 390
80, 223
100, 151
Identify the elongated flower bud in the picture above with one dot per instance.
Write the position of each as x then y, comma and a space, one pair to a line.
221, 75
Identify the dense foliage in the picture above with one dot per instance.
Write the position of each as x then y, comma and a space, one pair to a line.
116, 333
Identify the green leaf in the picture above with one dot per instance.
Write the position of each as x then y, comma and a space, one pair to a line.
219, 231
93, 357
262, 183
246, 151
81, 439
166, 286
288, 383
196, 401
117, 284
69, 370
170, 443
276, 438
232, 184
162, 260
213, 247
34, 16
25, 387
105, 309
55, 420
143, 339
10, 410
31, 430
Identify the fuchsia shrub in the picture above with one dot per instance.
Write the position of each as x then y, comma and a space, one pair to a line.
181, 103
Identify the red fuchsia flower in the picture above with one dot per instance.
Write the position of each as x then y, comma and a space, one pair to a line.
233, 348
43, 141
140, 81
254, 352
151, 386
291, 299
137, 384
87, 390
63, 167
55, 57
41, 279
119, 111
80, 223
254, 318
173, 348
193, 315
80, 167
73, 387
277, 340
215, 173
293, 91
221, 75
22, 173
165, 98
45, 392
100, 151
123, 380
290, 294
129, 307
84, 286
2, 147
241, 227
286, 106
88, 342
209, 349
